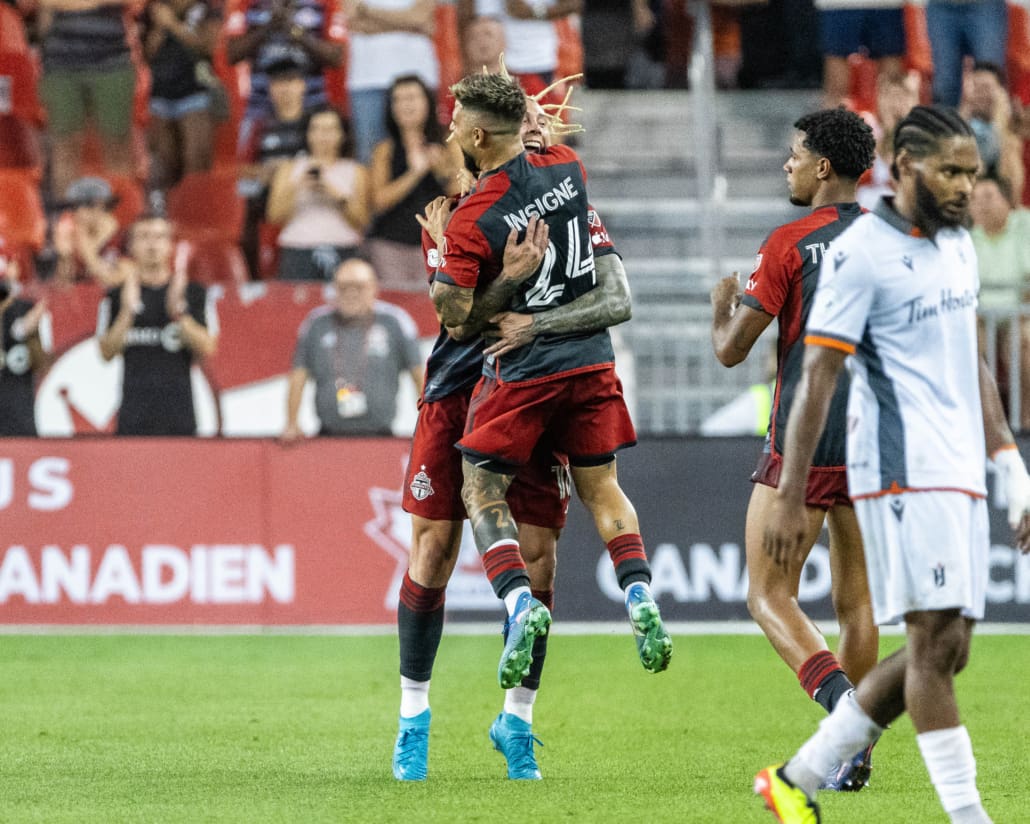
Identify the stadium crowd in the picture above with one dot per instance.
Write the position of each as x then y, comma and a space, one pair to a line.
281, 138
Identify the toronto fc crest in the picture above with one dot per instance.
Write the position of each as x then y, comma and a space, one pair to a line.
421, 485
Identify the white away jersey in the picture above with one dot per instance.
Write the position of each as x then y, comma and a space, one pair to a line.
904, 307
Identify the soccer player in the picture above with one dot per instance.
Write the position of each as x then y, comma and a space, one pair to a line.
897, 294
432, 490
830, 151
563, 384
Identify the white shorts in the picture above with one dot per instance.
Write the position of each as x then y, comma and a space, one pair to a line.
925, 551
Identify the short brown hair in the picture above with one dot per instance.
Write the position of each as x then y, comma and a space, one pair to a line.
500, 98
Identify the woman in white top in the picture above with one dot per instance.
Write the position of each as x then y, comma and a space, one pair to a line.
320, 200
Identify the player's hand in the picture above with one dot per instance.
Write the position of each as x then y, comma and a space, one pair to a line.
726, 294
436, 218
522, 258
30, 320
291, 435
1015, 481
131, 294
784, 533
175, 297
511, 331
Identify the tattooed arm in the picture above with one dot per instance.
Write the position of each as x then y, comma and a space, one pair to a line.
605, 305
521, 260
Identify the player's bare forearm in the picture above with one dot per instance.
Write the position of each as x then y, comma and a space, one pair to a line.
735, 328
996, 429
608, 304
484, 495
495, 297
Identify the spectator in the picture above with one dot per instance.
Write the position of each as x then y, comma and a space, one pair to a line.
88, 76
355, 351
636, 62
963, 27
389, 39
848, 27
895, 97
263, 32
409, 169
482, 45
159, 323
87, 238
178, 43
988, 108
531, 41
1001, 236
276, 138
25, 345
321, 201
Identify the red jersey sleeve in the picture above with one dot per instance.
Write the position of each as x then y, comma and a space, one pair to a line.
775, 266
599, 237
465, 248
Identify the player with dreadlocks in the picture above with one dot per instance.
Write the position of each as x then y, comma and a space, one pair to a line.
539, 494
897, 293
829, 152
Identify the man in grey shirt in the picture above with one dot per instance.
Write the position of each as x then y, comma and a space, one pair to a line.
355, 350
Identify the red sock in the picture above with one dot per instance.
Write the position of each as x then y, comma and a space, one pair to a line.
505, 568
816, 670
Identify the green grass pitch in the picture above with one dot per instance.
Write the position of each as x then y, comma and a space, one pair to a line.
300, 729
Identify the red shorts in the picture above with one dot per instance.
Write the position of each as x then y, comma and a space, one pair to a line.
584, 415
539, 495
827, 485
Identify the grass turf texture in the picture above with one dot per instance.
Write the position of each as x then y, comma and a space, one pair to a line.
252, 729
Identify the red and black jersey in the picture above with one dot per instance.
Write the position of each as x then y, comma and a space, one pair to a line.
782, 284
550, 185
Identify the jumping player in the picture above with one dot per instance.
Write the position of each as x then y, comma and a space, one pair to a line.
830, 151
897, 294
562, 385
432, 491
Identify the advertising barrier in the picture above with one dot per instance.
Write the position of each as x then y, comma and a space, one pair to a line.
249, 532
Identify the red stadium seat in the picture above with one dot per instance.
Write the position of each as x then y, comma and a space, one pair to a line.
12, 31
18, 76
205, 205
22, 220
19, 145
212, 261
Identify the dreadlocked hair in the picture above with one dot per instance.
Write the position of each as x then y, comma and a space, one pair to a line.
921, 131
555, 111
498, 96
842, 137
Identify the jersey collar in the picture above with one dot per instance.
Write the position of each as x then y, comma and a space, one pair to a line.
885, 210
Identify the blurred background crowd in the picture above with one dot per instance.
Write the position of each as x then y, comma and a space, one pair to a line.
279, 139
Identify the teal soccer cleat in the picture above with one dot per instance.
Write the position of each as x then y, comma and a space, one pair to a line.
530, 620
514, 739
411, 752
654, 646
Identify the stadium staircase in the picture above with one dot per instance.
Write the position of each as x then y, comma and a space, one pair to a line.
639, 150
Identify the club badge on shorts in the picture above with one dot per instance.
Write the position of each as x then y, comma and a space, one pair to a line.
421, 486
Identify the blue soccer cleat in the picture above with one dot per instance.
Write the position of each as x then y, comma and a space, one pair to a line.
411, 752
853, 775
530, 620
654, 646
514, 739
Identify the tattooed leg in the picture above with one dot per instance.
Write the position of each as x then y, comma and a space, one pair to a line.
484, 495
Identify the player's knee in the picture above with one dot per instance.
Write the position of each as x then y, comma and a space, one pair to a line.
945, 649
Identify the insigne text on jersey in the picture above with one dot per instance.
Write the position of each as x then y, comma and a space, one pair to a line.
548, 202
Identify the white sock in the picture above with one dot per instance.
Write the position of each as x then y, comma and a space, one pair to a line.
414, 697
948, 755
519, 702
512, 598
841, 735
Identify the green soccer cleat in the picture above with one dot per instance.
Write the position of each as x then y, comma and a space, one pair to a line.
530, 620
788, 803
654, 646
411, 752
514, 739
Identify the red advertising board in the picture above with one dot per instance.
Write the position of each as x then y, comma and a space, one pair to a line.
193, 532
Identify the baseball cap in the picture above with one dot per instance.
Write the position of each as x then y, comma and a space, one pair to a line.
286, 67
89, 191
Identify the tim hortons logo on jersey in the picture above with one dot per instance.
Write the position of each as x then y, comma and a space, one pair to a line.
545, 204
918, 310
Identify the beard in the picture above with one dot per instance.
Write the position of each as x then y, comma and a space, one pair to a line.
928, 213
470, 163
